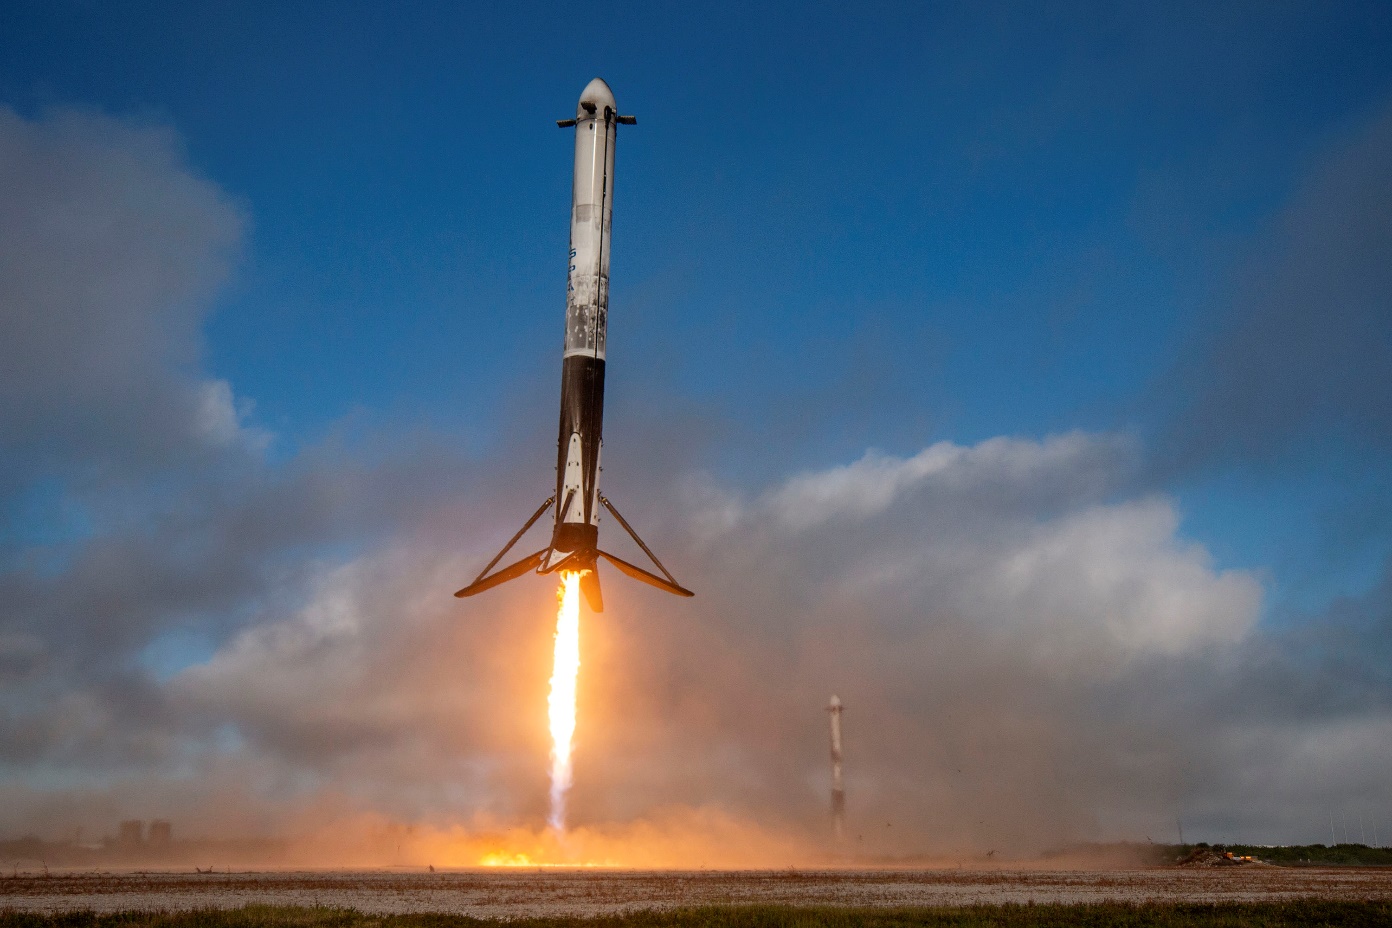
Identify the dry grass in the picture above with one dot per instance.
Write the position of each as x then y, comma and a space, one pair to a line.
1305, 912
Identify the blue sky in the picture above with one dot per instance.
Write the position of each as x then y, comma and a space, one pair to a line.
1021, 218
837, 229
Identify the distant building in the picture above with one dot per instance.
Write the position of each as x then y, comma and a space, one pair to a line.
132, 832
161, 832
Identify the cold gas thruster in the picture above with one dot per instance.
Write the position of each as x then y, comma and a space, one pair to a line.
574, 543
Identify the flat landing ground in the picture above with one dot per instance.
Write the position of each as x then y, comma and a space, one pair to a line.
521, 893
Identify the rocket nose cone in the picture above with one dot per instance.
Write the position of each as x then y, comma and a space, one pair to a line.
598, 95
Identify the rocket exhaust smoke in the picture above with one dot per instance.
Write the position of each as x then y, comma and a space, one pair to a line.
561, 702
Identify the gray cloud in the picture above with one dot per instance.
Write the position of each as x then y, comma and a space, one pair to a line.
1304, 351
140, 515
110, 249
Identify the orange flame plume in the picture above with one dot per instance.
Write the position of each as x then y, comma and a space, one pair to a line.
561, 702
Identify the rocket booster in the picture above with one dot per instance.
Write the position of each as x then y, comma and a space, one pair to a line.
587, 313
838, 786
577, 501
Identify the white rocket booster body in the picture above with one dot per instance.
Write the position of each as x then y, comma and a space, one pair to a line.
591, 220
838, 788
587, 312
575, 530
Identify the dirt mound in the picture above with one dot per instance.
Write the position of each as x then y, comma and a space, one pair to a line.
1208, 857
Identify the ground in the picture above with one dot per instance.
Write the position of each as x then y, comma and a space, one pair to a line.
520, 893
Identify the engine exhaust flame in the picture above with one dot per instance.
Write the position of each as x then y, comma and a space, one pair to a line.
561, 702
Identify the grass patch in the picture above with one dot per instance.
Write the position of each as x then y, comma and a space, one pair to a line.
1338, 855
1301, 912
1288, 855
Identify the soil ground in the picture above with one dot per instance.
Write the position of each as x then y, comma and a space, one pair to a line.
522, 893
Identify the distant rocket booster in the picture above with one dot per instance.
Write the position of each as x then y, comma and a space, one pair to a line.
838, 786
575, 533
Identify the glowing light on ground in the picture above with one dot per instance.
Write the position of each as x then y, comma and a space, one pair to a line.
674, 837
561, 702
505, 860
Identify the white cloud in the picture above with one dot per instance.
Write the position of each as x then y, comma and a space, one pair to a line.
1011, 582
870, 485
219, 418
1111, 583
1015, 538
